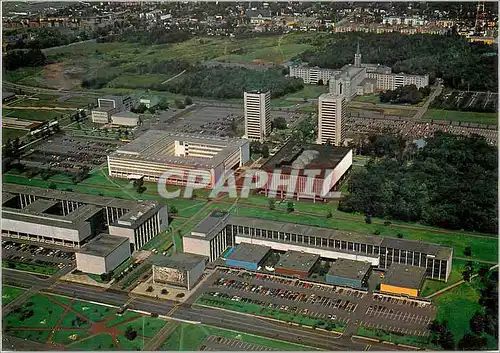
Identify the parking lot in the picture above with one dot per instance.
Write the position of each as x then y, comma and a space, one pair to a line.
36, 254
69, 153
320, 301
467, 100
218, 343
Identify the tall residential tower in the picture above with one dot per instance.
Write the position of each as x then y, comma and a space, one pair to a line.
332, 112
257, 115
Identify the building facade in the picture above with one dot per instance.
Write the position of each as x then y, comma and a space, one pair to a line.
332, 113
102, 115
180, 270
219, 230
125, 119
257, 107
312, 75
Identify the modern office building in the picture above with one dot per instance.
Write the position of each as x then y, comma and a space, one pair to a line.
220, 230
257, 107
70, 219
293, 161
102, 254
102, 115
156, 152
125, 118
332, 114
296, 264
248, 256
351, 273
403, 279
118, 103
181, 270
312, 75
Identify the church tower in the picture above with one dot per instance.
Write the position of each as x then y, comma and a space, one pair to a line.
357, 58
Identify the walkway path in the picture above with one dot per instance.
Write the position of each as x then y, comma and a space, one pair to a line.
423, 109
455, 285
173, 78
155, 343
38, 108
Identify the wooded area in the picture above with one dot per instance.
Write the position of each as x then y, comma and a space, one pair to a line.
451, 57
450, 183
405, 94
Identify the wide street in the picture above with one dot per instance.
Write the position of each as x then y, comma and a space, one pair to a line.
208, 316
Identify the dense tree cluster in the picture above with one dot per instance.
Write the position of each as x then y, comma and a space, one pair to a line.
442, 335
230, 82
45, 38
156, 35
405, 94
23, 58
452, 58
450, 183
162, 67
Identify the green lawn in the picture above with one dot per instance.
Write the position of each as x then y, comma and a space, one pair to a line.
151, 326
52, 100
12, 133
30, 267
373, 98
10, 293
258, 310
397, 338
31, 114
308, 92
118, 319
454, 115
101, 342
93, 312
269, 54
21, 73
458, 305
67, 337
188, 337
136, 81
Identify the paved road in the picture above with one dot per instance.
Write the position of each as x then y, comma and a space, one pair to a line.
209, 316
423, 109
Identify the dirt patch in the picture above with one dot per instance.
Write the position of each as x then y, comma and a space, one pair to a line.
57, 76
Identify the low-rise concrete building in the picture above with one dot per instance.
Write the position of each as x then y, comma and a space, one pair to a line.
296, 264
102, 254
248, 256
182, 270
351, 273
125, 118
403, 279
102, 115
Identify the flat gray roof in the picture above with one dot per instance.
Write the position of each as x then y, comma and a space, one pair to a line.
405, 276
40, 206
103, 109
178, 261
247, 252
150, 147
297, 261
211, 225
137, 209
126, 114
349, 268
102, 245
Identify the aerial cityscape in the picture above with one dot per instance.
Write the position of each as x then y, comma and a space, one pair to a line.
249, 176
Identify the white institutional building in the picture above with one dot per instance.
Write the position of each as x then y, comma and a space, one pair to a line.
257, 115
358, 79
332, 112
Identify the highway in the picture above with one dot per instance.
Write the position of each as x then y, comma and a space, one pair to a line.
208, 316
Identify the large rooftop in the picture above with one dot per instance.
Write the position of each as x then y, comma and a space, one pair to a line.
405, 276
151, 147
178, 261
312, 156
247, 252
349, 268
297, 261
103, 245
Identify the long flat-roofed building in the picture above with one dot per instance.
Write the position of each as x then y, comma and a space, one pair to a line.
333, 164
71, 219
312, 75
102, 254
156, 152
220, 230
296, 264
248, 256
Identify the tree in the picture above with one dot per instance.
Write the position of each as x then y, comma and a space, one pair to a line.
272, 205
466, 274
290, 207
163, 105
472, 342
400, 235
329, 214
483, 270
130, 333
53, 186
188, 101
477, 323
467, 251
179, 104
140, 109
446, 339
173, 210
279, 123
265, 151
368, 219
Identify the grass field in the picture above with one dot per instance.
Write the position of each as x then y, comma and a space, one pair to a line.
188, 337
135, 81
308, 92
76, 325
356, 108
373, 98
273, 54
50, 100
416, 341
458, 305
12, 133
30, 267
10, 293
31, 114
469, 117
258, 310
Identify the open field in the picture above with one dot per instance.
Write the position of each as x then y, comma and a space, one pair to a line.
373, 98
75, 325
30, 114
10, 293
188, 337
308, 92
270, 54
50, 100
135, 81
12, 133
468, 117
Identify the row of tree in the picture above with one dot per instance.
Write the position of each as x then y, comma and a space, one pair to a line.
15, 59
405, 94
450, 183
461, 64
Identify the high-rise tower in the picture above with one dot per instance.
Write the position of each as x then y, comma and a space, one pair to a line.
257, 115
332, 112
